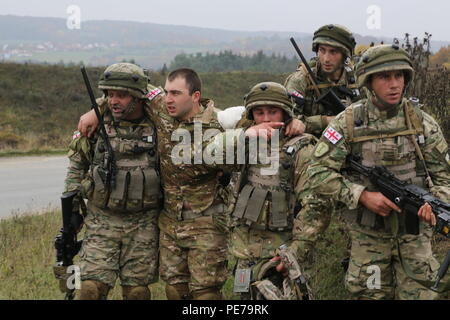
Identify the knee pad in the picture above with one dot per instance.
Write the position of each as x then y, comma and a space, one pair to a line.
179, 291
207, 294
92, 290
136, 293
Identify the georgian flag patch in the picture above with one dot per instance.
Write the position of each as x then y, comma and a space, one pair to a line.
76, 134
297, 94
332, 135
153, 94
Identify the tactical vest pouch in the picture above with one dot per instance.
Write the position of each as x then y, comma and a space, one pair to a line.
242, 201
135, 190
278, 219
255, 204
117, 197
368, 218
101, 192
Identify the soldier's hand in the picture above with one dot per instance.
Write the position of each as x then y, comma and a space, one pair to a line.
330, 118
88, 123
295, 128
281, 268
426, 214
378, 203
265, 129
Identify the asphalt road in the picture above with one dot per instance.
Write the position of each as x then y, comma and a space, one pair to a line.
29, 184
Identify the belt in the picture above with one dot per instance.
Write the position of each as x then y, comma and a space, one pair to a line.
190, 214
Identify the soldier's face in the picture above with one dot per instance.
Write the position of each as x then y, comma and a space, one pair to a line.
331, 59
179, 102
388, 86
267, 114
118, 102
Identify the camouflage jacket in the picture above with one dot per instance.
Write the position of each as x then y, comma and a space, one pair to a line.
136, 179
325, 182
288, 170
313, 113
186, 180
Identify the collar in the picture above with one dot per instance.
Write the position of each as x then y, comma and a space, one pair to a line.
386, 114
205, 112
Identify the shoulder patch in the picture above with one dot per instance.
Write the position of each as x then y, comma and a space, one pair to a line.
76, 134
296, 94
442, 146
152, 94
321, 149
332, 135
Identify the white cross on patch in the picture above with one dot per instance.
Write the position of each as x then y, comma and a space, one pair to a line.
153, 94
332, 135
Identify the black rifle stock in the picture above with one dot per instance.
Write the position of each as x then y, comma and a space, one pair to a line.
110, 163
409, 198
66, 244
328, 99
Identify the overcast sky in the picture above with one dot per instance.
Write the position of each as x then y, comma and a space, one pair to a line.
385, 17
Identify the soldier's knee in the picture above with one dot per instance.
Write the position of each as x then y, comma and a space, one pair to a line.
136, 293
179, 291
207, 294
92, 290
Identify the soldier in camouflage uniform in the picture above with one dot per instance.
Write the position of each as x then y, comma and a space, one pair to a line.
384, 129
266, 202
193, 240
193, 244
121, 237
334, 45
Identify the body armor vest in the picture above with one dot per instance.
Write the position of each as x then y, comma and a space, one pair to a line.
137, 181
267, 202
388, 146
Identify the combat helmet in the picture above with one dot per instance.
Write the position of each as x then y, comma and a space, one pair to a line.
125, 76
335, 35
269, 284
381, 58
268, 93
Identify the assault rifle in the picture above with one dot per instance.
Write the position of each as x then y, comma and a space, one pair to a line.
66, 243
409, 198
333, 105
109, 173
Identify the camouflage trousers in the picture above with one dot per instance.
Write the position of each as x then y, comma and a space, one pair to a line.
375, 270
192, 251
120, 245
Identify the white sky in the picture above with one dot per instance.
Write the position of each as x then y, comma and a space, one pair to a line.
396, 16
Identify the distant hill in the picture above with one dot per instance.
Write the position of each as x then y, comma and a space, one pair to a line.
149, 44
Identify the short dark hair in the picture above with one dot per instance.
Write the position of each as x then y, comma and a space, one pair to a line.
190, 76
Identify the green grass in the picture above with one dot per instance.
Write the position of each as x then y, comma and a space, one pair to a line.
27, 256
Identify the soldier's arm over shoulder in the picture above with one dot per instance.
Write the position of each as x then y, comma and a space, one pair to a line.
437, 157
315, 214
323, 176
155, 102
297, 81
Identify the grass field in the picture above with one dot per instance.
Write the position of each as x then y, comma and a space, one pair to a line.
27, 256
